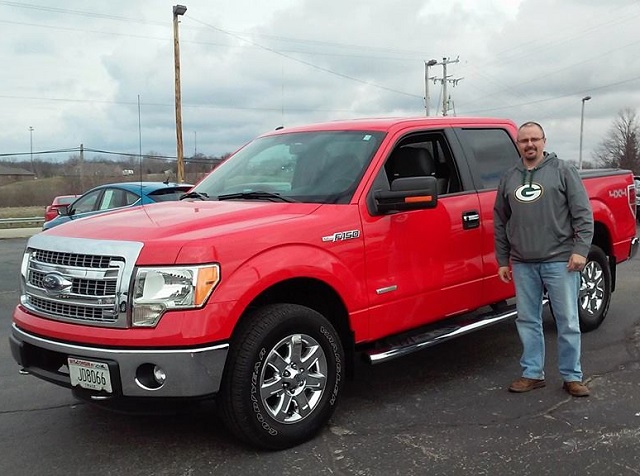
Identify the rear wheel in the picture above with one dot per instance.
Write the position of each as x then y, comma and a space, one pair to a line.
595, 290
594, 296
283, 376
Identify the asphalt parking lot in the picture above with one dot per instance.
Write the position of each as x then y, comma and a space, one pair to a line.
443, 411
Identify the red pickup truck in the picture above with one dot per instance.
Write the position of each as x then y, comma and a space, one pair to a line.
309, 247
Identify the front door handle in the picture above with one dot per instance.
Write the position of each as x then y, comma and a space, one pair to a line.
470, 220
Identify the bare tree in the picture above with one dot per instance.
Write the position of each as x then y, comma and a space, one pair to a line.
621, 146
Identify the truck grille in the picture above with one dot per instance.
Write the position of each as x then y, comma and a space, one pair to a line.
82, 313
86, 287
72, 259
78, 288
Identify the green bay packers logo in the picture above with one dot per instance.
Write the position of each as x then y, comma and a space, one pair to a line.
528, 193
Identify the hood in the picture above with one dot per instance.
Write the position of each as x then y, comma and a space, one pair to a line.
168, 227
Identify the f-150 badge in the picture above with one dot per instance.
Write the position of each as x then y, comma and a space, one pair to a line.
342, 236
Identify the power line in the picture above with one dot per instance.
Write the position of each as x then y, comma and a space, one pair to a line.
312, 43
43, 152
410, 56
307, 63
154, 104
277, 109
82, 13
537, 45
562, 96
542, 77
200, 160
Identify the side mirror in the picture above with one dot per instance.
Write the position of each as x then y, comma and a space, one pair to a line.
63, 211
409, 193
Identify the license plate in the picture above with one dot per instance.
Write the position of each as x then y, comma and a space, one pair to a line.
89, 375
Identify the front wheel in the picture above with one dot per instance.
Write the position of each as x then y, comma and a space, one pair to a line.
283, 376
595, 290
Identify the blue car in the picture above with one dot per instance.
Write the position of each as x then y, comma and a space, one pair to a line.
113, 196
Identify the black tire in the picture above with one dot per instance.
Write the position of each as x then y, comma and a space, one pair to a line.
595, 290
283, 376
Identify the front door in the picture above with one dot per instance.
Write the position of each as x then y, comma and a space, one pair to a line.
423, 265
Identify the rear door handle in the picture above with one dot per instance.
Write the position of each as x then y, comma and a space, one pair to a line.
470, 220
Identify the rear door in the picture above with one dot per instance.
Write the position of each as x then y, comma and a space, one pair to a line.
114, 197
490, 152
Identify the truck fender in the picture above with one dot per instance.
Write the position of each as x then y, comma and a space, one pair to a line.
276, 265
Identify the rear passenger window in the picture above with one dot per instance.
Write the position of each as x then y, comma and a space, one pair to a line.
130, 198
494, 152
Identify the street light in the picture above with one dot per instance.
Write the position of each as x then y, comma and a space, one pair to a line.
427, 64
31, 147
584, 99
178, 10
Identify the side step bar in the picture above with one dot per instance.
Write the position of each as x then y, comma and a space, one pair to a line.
398, 346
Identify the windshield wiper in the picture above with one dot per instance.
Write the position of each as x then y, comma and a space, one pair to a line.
273, 197
198, 195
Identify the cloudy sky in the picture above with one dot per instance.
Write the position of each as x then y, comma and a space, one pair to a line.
101, 73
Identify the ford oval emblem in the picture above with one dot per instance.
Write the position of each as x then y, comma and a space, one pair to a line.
53, 282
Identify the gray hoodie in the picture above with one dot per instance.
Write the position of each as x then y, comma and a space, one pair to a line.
542, 215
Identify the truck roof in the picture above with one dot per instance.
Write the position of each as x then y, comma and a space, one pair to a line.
389, 123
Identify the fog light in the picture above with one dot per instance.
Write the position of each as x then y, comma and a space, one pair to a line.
150, 377
147, 315
159, 375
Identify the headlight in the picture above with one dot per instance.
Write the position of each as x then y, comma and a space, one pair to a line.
24, 266
156, 290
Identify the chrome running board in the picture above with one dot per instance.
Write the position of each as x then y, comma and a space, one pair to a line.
398, 346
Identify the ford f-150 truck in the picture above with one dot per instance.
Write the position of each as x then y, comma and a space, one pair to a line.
308, 248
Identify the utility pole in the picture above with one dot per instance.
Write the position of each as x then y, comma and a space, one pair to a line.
584, 99
82, 168
427, 98
444, 81
178, 10
139, 141
31, 147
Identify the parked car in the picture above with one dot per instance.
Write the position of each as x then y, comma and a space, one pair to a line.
111, 196
61, 201
636, 181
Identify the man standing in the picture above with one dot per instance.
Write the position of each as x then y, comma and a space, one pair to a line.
543, 228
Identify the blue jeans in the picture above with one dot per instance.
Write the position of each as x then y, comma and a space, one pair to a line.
562, 286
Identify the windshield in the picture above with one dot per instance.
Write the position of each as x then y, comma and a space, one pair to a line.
315, 167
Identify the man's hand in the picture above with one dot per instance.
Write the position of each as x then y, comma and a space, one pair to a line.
576, 262
504, 273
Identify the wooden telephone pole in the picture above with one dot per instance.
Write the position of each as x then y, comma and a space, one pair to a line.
178, 10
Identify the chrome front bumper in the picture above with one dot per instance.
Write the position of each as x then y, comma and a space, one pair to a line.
193, 372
